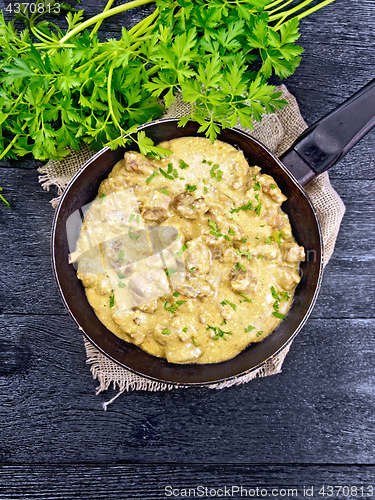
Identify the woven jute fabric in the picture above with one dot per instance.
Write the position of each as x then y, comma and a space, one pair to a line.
277, 131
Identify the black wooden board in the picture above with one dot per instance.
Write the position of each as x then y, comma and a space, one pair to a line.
311, 425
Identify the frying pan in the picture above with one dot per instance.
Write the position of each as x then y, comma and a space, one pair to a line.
318, 148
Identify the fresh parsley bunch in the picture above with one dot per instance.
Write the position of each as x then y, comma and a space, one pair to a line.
60, 87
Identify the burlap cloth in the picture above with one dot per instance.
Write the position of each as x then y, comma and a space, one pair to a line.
277, 131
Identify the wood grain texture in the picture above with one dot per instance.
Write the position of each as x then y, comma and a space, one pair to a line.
312, 424
155, 482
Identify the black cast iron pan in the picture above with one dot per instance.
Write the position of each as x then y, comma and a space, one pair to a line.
319, 147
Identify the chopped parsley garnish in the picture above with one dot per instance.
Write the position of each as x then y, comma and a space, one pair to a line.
132, 216
121, 284
272, 186
249, 328
245, 253
279, 297
182, 250
112, 300
175, 294
149, 179
101, 197
166, 331
258, 208
260, 256
256, 186
268, 240
184, 329
239, 266
183, 164
173, 307
246, 299
215, 231
244, 240
219, 333
170, 173
259, 333
215, 173
279, 237
262, 225
121, 255
170, 271
248, 206
120, 276
164, 191
190, 188
192, 339
231, 232
205, 190
227, 303
133, 236
191, 269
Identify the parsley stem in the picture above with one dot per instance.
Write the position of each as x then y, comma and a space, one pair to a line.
285, 14
143, 26
15, 139
103, 15
97, 25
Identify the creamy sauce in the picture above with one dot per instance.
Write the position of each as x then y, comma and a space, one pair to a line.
189, 257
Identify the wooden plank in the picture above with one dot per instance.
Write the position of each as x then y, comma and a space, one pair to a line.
154, 482
318, 410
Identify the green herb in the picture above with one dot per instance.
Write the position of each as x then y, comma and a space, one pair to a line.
262, 225
111, 300
121, 255
260, 257
191, 269
131, 218
279, 297
249, 328
154, 174
101, 197
268, 240
215, 173
272, 186
169, 174
246, 253
279, 237
248, 206
194, 342
259, 333
246, 299
184, 329
258, 208
62, 86
278, 315
133, 236
121, 276
166, 331
175, 294
227, 303
170, 271
190, 188
173, 307
243, 240
231, 232
164, 191
183, 165
256, 186
205, 190
182, 250
239, 266
219, 333
3, 199
121, 284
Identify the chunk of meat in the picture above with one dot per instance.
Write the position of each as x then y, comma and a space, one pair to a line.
188, 207
270, 188
194, 287
288, 279
137, 163
137, 337
184, 353
156, 208
146, 287
198, 257
294, 253
269, 252
243, 281
149, 307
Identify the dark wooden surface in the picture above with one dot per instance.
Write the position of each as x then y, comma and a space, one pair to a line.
313, 424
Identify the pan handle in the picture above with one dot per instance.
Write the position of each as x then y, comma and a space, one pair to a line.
329, 139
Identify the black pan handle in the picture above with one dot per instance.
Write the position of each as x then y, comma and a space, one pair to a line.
329, 139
